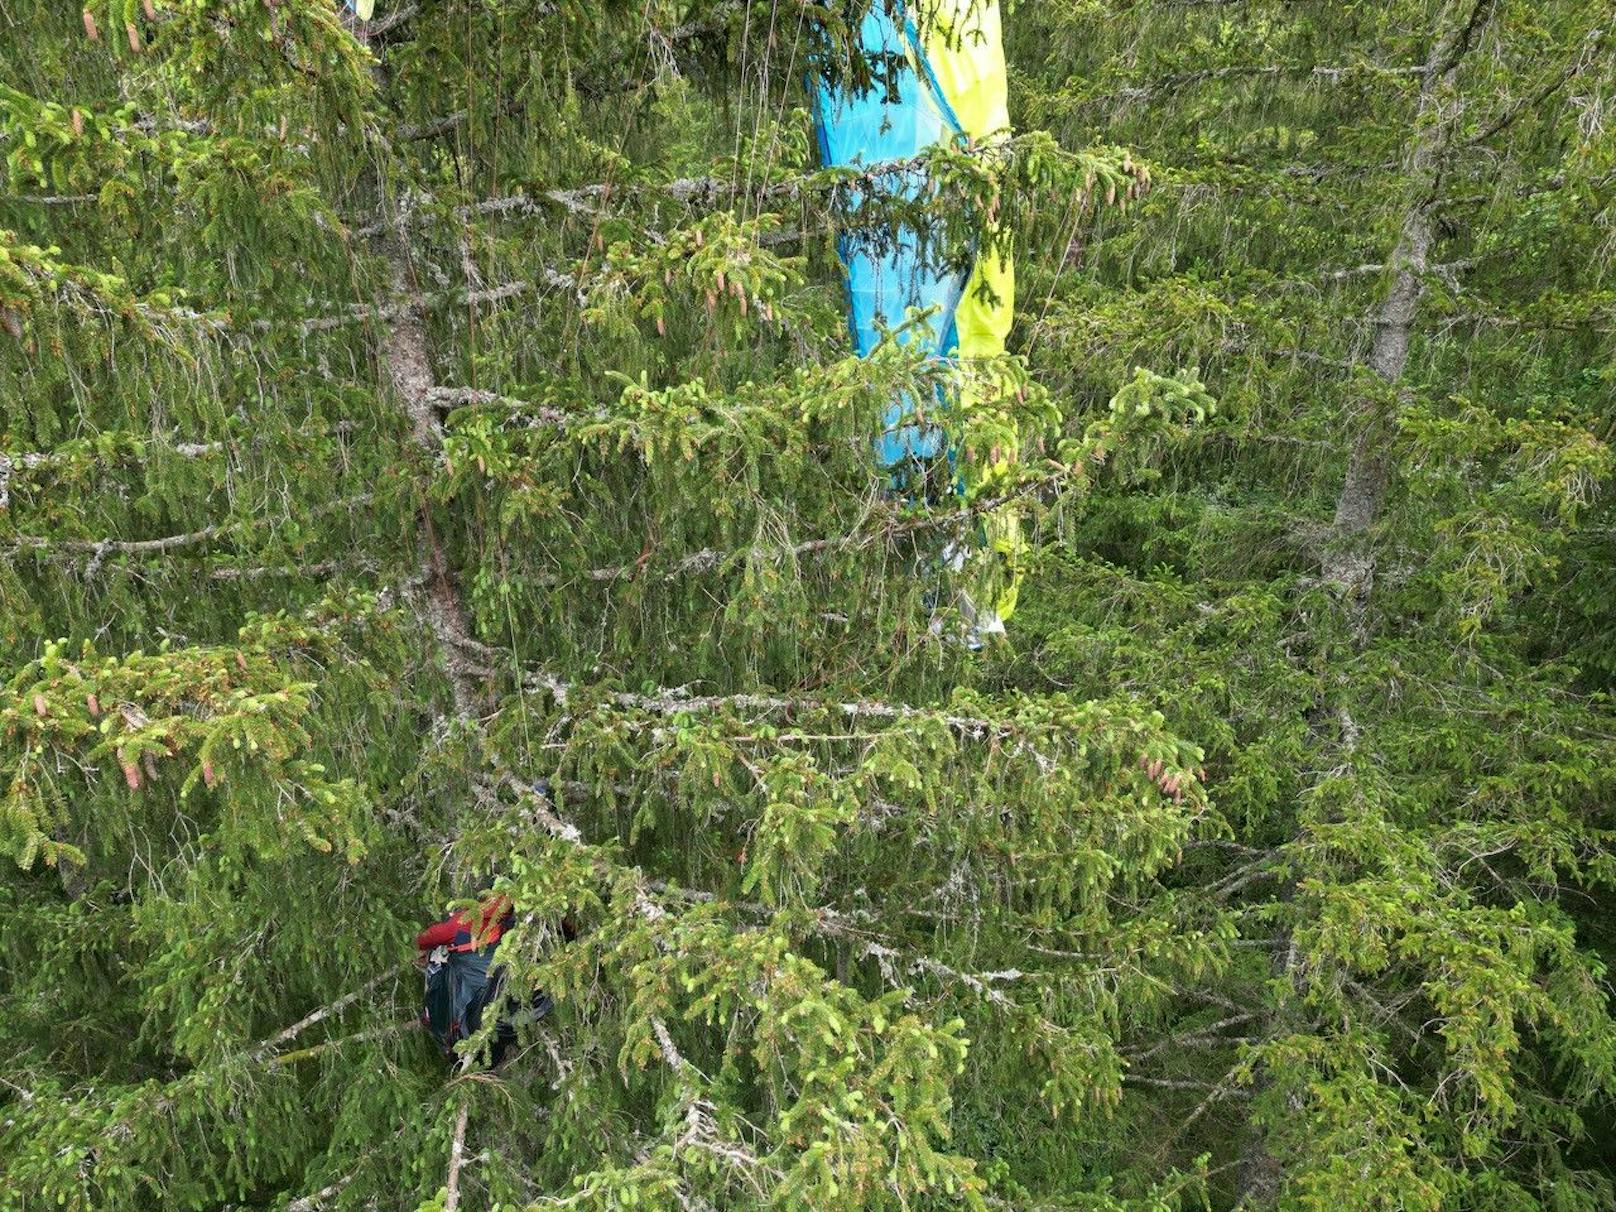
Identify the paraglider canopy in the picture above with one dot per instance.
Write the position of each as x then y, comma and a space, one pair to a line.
937, 79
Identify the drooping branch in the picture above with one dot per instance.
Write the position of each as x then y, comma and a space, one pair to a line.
51, 199
365, 313
267, 1056
708, 190
1589, 54
1185, 1038
676, 702
416, 303
11, 462
99, 549
92, 292
1327, 73
282, 1060
1447, 270
506, 206
1166, 1083
709, 558
35, 460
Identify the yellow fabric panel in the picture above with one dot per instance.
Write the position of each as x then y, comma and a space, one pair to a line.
1006, 543
965, 48
983, 321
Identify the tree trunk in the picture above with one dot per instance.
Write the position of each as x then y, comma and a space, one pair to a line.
1349, 562
406, 361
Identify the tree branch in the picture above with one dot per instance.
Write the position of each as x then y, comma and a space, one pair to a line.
467, 397
709, 558
1137, 1079
46, 460
457, 1153
101, 548
282, 1059
1333, 73
394, 19
276, 1042
51, 199
586, 200
675, 701
310, 1203
1445, 270
415, 303
1208, 1032
1590, 53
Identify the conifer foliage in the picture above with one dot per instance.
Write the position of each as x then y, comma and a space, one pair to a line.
397, 413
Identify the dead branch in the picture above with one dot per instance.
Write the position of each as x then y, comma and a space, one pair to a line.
274, 1044
310, 1203
457, 1153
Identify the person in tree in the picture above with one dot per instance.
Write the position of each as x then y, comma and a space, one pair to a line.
462, 980
456, 930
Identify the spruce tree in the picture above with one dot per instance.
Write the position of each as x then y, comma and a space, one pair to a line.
397, 413
1380, 234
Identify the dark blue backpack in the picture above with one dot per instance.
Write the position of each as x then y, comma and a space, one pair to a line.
457, 989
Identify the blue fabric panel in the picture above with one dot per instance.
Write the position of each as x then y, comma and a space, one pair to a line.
899, 117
